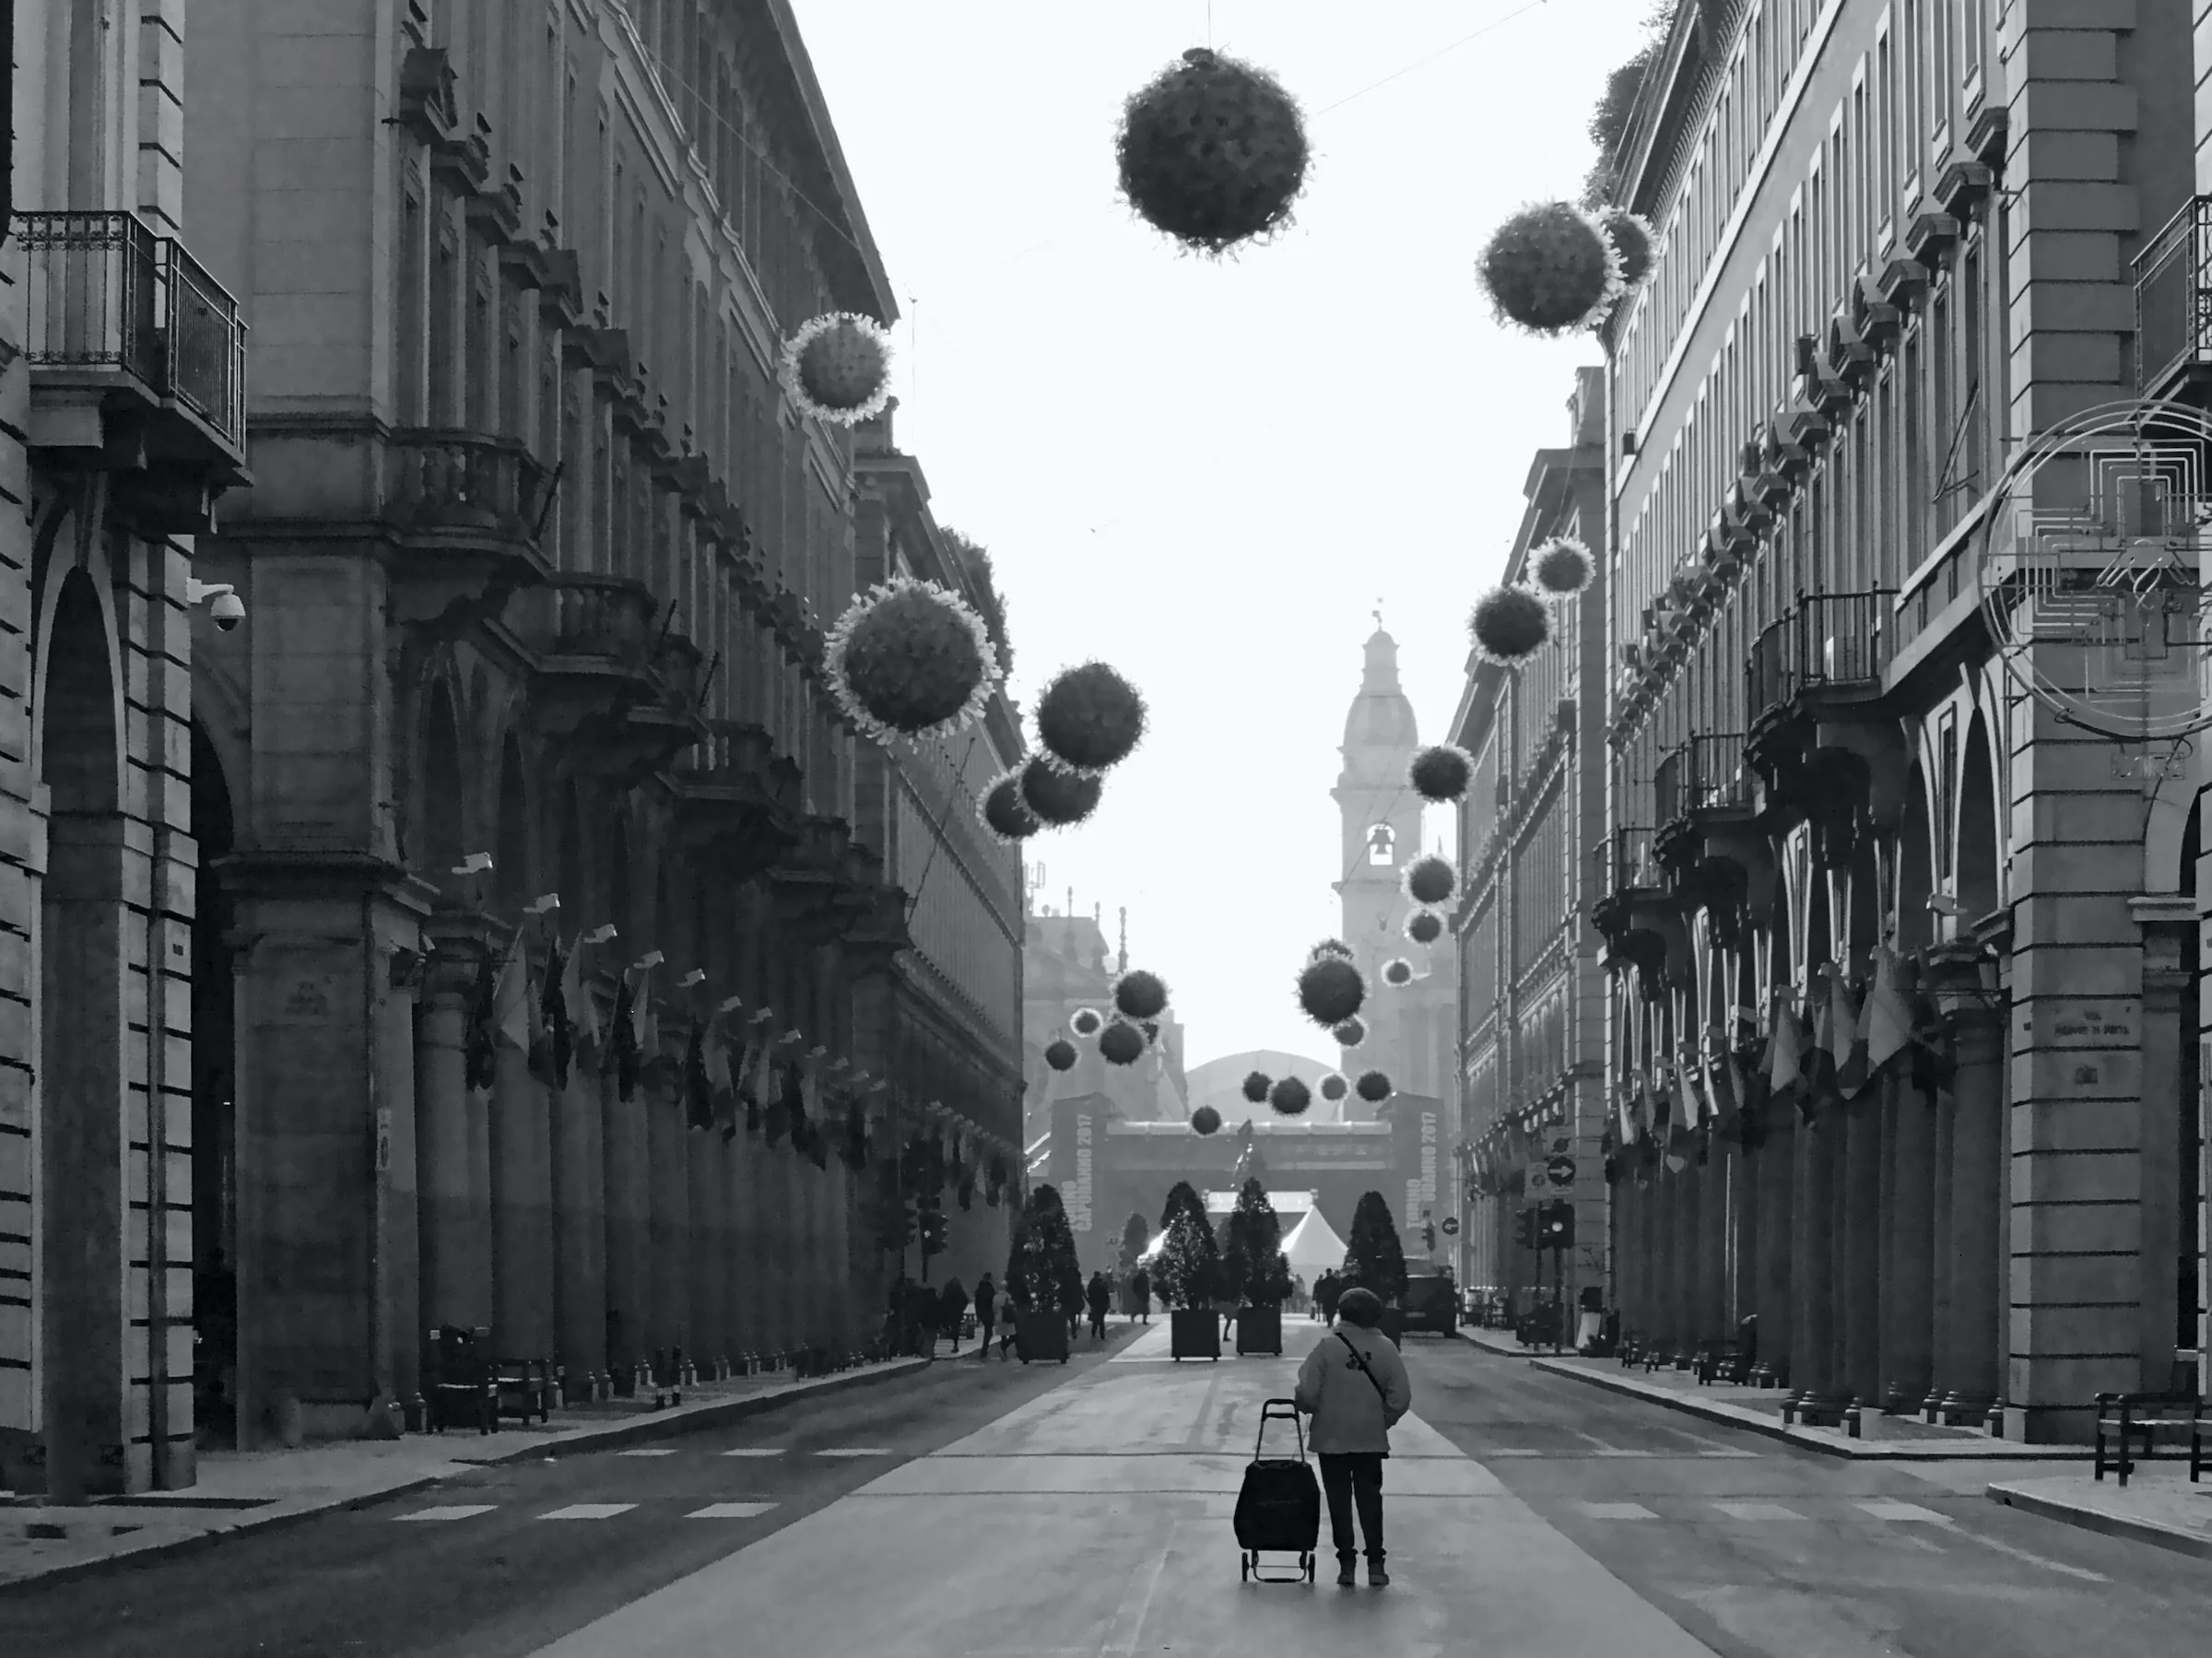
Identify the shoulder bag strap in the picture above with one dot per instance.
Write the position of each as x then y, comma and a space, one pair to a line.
1359, 1359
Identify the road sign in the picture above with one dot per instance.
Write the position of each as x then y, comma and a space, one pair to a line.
1561, 1170
1451, 1226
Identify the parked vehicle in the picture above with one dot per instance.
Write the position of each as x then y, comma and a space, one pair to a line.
1431, 1301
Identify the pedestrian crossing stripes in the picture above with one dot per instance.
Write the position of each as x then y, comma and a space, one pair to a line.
1874, 1508
855, 1450
451, 1510
585, 1511
755, 1450
730, 1510
1716, 1453
650, 1451
1759, 1510
590, 1511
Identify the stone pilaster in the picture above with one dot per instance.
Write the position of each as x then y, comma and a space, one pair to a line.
2169, 1021
580, 1284
707, 1247
1813, 1302
520, 1129
1859, 1300
1908, 1306
669, 1220
1970, 1378
626, 1184
1715, 1214
451, 1178
1774, 1163
398, 1375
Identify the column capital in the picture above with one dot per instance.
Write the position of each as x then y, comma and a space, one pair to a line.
2164, 909
1951, 975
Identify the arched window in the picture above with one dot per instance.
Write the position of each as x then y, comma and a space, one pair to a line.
1382, 844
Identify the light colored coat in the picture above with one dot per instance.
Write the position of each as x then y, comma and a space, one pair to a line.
1349, 1413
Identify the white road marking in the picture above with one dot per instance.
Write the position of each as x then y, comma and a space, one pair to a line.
1615, 1511
1759, 1510
1884, 1507
1127, 1627
855, 1450
590, 1511
2024, 1555
730, 1510
657, 1451
455, 1510
755, 1450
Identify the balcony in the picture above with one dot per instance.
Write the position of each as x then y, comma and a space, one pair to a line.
739, 804
2173, 308
1705, 775
1831, 647
1641, 920
137, 365
1709, 840
464, 510
589, 639
818, 897
1820, 743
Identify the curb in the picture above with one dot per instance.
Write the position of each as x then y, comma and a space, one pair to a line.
2112, 1525
656, 1426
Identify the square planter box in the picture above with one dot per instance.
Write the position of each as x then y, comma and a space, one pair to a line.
1260, 1330
1194, 1333
1041, 1338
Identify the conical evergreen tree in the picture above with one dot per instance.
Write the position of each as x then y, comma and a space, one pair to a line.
1042, 1274
1254, 1262
1135, 1235
1372, 1252
1188, 1266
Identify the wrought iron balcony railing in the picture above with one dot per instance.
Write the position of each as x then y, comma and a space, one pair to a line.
107, 295
1828, 640
1627, 860
2174, 302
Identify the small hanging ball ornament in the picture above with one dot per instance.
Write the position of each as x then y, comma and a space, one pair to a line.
1256, 1084
909, 659
1333, 1087
1151, 1029
1289, 1097
1551, 269
1510, 624
1331, 990
1206, 1120
1424, 926
1442, 773
1430, 879
1563, 566
1061, 1054
838, 368
1372, 1086
1212, 152
1121, 1044
1060, 798
1633, 239
1397, 972
1089, 718
1005, 814
1140, 995
1330, 946
1088, 1021
1351, 1034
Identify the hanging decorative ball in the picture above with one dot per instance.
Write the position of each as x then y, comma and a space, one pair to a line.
1372, 1086
1061, 798
1397, 972
1563, 566
838, 368
1140, 995
1089, 718
1424, 926
1256, 1084
1510, 624
1330, 946
1289, 1097
1060, 1054
909, 658
1121, 1044
1331, 990
1212, 152
1088, 1021
1442, 773
1333, 1087
1633, 239
1206, 1120
1430, 879
1351, 1034
1550, 268
1005, 814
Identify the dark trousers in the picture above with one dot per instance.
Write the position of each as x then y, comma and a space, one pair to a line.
1350, 1477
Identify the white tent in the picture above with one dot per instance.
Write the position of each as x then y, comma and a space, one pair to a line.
1313, 1247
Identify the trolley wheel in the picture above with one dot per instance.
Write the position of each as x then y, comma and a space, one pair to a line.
1245, 1562
1063, 1358
1308, 1561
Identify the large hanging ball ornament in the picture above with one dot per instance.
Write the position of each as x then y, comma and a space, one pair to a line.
1441, 774
909, 659
1256, 1084
1089, 718
1061, 1054
1121, 1044
1206, 1120
1633, 239
1430, 879
1212, 152
1005, 814
1563, 566
1289, 1097
1372, 1086
1351, 1034
1424, 926
1060, 798
1330, 946
1331, 990
1550, 268
1397, 972
838, 368
1088, 1021
1140, 995
1510, 624
1333, 1087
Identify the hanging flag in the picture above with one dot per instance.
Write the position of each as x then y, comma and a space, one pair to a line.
698, 1093
1720, 1092
760, 1087
1820, 1057
481, 1062
714, 1054
622, 1046
1888, 1015
581, 1006
1934, 1062
1785, 1052
1851, 1069
776, 1102
510, 1002
553, 1013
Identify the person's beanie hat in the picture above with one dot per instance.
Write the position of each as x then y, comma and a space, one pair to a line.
1363, 1306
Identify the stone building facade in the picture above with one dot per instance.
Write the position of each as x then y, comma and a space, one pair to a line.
1067, 967
1898, 245
121, 389
537, 567
1532, 1008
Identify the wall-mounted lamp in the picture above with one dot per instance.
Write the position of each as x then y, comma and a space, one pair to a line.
697, 975
652, 959
602, 934
544, 904
476, 863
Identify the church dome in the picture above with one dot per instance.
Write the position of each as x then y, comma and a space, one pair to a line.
1381, 716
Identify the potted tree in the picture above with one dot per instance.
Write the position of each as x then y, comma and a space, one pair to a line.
1255, 1263
1376, 1260
1187, 1269
1036, 1269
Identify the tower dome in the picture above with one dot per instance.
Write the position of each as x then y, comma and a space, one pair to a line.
1380, 732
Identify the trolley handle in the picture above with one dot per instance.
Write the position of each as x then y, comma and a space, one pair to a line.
1268, 1413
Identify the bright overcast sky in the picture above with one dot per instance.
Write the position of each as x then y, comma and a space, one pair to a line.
1208, 474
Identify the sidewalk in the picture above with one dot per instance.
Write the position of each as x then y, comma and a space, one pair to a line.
254, 1490
2160, 1506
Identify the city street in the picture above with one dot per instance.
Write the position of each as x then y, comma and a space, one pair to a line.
1046, 1511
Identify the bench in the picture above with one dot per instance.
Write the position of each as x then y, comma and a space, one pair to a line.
523, 1388
462, 1392
2127, 1416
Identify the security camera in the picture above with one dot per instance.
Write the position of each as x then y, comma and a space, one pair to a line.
227, 611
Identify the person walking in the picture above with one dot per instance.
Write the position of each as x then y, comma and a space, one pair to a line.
1140, 1293
1327, 1295
923, 1311
952, 1306
1008, 1316
1100, 1295
986, 1294
1355, 1387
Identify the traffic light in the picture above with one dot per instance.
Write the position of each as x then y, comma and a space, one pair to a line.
1557, 1226
1428, 1234
1528, 1228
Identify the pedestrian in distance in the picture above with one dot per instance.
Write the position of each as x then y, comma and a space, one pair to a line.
1100, 1295
1327, 1296
1140, 1295
986, 1297
922, 1309
952, 1306
1008, 1316
1355, 1387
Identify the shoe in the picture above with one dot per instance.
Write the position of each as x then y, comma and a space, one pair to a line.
1348, 1574
1376, 1577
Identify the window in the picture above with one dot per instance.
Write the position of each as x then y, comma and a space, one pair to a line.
1382, 845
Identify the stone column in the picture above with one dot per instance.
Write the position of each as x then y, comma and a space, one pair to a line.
627, 1184
1686, 1257
1743, 1235
451, 1204
707, 1248
2169, 1017
1776, 1162
1908, 1306
1943, 1125
522, 1210
1860, 1304
669, 1301
1977, 1144
579, 1197
399, 1375
1715, 1215
1884, 1088
1812, 1336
